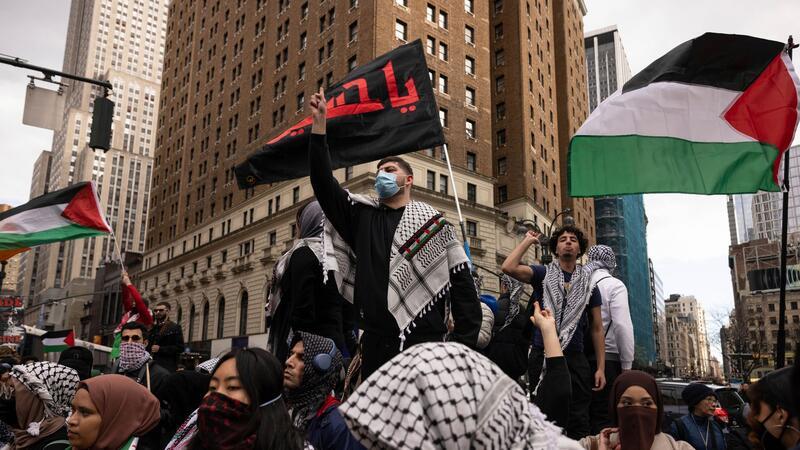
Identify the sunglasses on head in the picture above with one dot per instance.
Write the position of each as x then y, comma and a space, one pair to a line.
134, 338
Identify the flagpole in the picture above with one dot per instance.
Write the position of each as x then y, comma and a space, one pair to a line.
458, 205
780, 357
119, 253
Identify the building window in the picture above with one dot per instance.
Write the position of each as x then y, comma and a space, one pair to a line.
472, 194
469, 35
443, 117
469, 124
296, 194
273, 238
469, 6
353, 31
502, 194
204, 331
498, 31
498, 6
191, 321
442, 51
403, 3
443, 88
430, 13
500, 111
502, 166
401, 30
443, 180
442, 19
243, 305
431, 181
301, 71
471, 161
499, 58
469, 65
501, 138
500, 84
469, 96
472, 228
351, 63
430, 46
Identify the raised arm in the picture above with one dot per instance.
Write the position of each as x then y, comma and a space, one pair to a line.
513, 266
132, 300
332, 198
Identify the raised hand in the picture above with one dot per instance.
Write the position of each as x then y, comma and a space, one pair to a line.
319, 112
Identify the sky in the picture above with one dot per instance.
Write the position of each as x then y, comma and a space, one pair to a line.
687, 235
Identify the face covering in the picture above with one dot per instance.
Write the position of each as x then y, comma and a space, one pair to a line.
637, 426
386, 185
222, 422
132, 356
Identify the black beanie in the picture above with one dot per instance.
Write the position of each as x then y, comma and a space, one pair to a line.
695, 393
78, 358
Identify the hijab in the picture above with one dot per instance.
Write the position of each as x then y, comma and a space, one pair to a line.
311, 220
126, 407
180, 394
638, 425
444, 395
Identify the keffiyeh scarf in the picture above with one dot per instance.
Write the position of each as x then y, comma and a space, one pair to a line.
424, 251
132, 356
444, 395
514, 288
53, 383
604, 256
317, 385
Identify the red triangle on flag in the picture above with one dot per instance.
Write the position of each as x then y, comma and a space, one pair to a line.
84, 210
70, 339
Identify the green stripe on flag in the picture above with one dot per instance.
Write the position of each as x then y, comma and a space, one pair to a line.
16, 240
54, 348
612, 165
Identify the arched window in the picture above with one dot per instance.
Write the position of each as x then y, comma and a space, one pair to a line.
191, 321
220, 317
243, 314
205, 321
179, 318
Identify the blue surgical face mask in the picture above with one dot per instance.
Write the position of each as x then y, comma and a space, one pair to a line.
386, 185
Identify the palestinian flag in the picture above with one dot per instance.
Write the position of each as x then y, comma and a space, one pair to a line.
712, 116
70, 213
58, 341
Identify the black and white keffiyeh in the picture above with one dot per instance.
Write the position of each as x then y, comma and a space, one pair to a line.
53, 383
424, 251
515, 291
444, 395
603, 255
316, 385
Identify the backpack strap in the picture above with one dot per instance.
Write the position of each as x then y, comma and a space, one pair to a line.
683, 433
610, 317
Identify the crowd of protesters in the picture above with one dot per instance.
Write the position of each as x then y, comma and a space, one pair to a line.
378, 339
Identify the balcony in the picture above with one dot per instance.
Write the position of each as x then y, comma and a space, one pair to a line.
271, 254
190, 283
219, 271
242, 264
205, 276
476, 246
176, 285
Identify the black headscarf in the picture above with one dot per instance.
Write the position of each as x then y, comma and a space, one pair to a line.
311, 220
634, 378
305, 400
180, 394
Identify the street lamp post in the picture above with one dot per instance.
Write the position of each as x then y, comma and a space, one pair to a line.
547, 258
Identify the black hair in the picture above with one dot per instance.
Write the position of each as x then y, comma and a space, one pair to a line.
572, 229
261, 375
135, 326
400, 162
25, 359
165, 304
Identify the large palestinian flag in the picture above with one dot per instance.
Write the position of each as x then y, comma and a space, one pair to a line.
712, 116
70, 213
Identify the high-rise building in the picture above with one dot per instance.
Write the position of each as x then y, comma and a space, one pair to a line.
620, 220
238, 73
30, 260
759, 215
658, 313
123, 42
753, 328
687, 341
537, 76
10, 268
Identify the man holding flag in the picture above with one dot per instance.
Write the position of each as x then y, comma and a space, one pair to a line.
397, 259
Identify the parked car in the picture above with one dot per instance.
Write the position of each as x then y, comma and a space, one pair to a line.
731, 404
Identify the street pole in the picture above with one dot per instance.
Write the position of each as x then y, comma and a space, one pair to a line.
780, 359
49, 73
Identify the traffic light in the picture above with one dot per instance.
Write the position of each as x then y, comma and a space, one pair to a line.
102, 119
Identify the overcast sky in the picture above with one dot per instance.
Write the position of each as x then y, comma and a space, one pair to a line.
687, 235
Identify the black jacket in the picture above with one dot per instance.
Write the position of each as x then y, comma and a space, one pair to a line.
169, 338
509, 346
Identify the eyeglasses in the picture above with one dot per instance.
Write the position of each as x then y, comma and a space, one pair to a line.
159, 310
134, 338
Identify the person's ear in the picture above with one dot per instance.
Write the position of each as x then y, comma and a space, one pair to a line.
145, 342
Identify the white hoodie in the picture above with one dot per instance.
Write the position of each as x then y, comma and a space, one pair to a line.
619, 339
